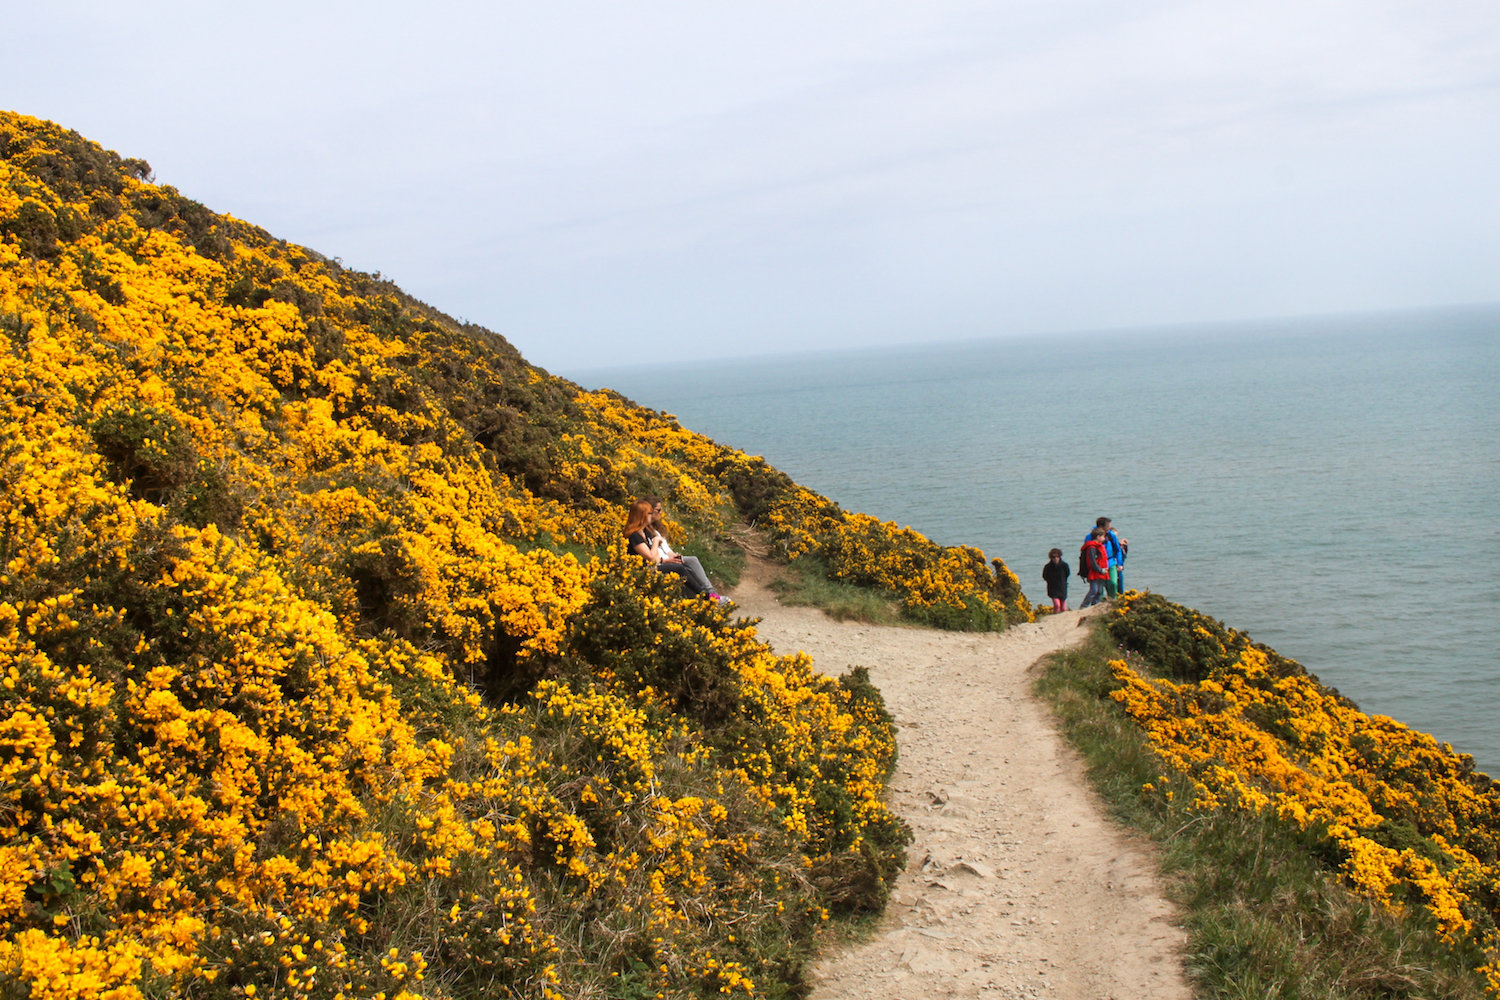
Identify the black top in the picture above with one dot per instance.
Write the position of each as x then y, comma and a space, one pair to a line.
637, 538
1056, 575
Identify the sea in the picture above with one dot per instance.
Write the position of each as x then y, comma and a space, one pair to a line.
1329, 485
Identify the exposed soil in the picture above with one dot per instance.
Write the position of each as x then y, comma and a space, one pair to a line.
1017, 885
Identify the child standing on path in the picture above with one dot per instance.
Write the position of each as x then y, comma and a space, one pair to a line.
1115, 550
1094, 566
1055, 572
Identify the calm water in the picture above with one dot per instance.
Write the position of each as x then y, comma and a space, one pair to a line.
1330, 486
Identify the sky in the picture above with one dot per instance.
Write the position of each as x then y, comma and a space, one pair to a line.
607, 184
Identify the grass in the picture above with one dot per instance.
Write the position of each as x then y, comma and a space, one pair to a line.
723, 559
1264, 908
804, 583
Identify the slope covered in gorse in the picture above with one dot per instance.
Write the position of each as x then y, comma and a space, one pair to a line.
324, 672
1236, 729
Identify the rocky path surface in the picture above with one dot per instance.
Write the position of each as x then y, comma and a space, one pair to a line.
1016, 886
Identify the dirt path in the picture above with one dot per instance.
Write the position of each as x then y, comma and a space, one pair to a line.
1017, 886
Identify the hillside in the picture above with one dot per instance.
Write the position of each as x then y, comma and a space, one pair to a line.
325, 672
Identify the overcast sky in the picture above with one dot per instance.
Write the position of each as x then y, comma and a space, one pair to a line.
609, 182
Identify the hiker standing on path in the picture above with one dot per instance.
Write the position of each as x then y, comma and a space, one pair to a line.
1093, 565
1115, 549
1055, 572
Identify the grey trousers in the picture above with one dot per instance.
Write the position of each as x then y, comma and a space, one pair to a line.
691, 571
696, 574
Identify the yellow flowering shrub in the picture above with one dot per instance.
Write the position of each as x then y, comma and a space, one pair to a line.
1414, 824
949, 587
811, 750
321, 672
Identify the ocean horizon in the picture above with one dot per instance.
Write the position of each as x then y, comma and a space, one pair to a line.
1323, 484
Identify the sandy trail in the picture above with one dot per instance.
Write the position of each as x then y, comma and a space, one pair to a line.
1016, 886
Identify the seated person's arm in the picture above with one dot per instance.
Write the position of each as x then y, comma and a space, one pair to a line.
639, 546
663, 549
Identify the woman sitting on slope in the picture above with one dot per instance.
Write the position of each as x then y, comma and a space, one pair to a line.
643, 539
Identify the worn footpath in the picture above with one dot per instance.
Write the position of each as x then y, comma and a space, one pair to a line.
1017, 886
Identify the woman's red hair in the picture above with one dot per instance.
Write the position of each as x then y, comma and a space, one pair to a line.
640, 516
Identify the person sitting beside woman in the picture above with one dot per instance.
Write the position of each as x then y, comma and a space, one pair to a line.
644, 537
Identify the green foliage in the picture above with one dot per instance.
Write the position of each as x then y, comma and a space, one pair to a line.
868, 706
755, 485
499, 400
147, 448
649, 641
36, 229
862, 884
722, 557
1007, 586
968, 615
635, 629
163, 208
1186, 644
66, 162
211, 497
944, 586
805, 583
387, 582
261, 597
806, 586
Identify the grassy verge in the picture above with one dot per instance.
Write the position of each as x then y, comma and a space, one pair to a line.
1265, 913
805, 583
722, 558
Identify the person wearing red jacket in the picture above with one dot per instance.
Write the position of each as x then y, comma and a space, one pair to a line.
1094, 567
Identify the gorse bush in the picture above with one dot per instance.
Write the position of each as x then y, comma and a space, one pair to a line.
1266, 910
1187, 644
945, 587
322, 672
1405, 820
145, 449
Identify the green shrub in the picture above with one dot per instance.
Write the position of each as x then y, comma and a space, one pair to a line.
690, 653
258, 713
36, 230
145, 447
1186, 644
638, 630
862, 885
754, 484
211, 498
973, 615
